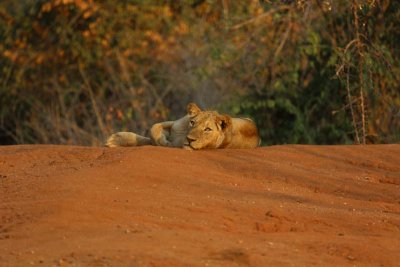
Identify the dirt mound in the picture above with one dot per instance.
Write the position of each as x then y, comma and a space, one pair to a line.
154, 206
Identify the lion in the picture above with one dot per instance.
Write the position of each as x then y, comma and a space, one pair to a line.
197, 130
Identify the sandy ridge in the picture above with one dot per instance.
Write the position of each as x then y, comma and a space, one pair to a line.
153, 206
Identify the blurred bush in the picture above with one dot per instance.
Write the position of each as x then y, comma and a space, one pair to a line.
323, 72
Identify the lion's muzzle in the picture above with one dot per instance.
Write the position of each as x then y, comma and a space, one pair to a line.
190, 139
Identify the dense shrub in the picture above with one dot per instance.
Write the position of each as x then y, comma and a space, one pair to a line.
325, 72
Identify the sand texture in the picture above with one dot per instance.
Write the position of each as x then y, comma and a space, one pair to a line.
153, 206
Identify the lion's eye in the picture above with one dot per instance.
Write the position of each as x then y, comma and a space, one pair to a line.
192, 123
207, 129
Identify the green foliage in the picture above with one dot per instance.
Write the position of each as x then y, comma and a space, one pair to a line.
305, 96
73, 71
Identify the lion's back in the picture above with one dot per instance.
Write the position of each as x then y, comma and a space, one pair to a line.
245, 134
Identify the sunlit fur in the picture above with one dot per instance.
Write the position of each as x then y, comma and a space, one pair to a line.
197, 130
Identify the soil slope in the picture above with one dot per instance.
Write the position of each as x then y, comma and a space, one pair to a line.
153, 206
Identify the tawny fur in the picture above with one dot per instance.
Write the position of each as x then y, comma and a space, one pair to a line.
127, 139
197, 130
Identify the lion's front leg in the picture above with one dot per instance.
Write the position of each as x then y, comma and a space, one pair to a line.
160, 133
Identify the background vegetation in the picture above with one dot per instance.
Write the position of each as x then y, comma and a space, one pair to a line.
317, 72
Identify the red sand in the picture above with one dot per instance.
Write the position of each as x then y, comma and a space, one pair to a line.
154, 206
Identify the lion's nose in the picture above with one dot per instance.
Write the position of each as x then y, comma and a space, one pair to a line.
190, 139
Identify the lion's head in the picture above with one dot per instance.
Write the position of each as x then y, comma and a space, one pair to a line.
207, 129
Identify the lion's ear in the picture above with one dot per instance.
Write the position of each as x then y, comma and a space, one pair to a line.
192, 109
224, 121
